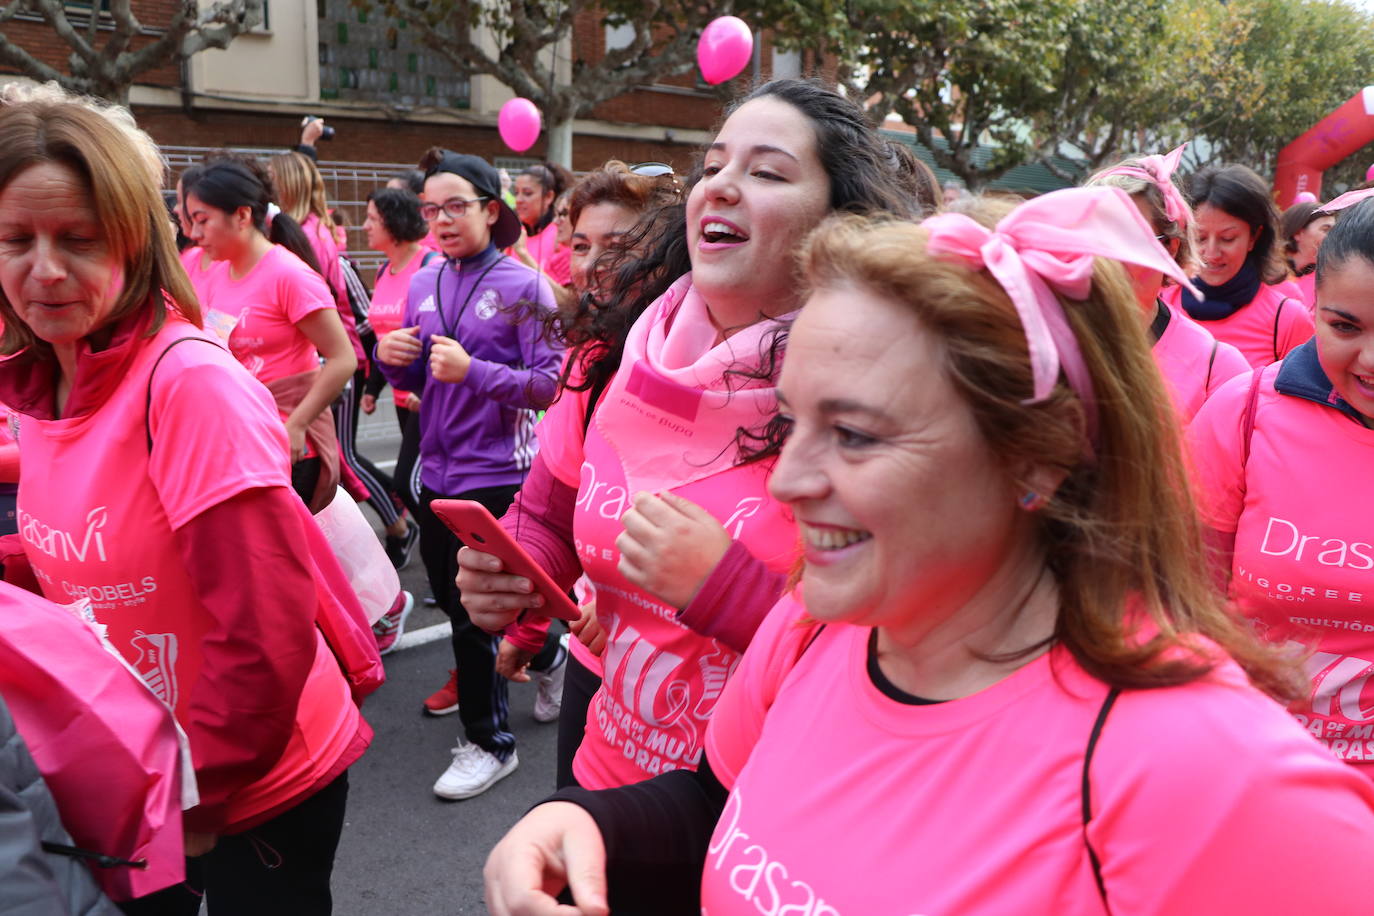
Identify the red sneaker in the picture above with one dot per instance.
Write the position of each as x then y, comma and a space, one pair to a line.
444, 701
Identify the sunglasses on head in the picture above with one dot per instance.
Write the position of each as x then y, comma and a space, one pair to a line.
651, 169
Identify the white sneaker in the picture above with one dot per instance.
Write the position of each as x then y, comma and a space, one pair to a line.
472, 772
548, 702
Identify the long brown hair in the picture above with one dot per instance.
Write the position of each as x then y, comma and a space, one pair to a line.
116, 161
1122, 534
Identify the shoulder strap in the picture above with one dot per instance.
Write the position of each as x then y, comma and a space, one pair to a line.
148, 397
1278, 313
1248, 419
1107, 705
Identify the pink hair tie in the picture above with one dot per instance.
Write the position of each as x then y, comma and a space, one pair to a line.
1159, 171
1043, 250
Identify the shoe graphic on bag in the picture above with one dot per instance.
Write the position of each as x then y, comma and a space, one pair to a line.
156, 663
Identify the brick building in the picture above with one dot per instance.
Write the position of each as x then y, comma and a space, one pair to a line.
388, 97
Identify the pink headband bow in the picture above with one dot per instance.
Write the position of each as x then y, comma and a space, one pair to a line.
1044, 250
1348, 199
1159, 171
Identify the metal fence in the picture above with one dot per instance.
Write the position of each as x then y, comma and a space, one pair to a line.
347, 185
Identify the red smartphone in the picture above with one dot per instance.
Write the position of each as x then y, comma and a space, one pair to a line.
479, 529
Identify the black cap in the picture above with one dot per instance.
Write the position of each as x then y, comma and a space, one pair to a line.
488, 184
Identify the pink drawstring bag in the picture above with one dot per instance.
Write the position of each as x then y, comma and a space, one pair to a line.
106, 746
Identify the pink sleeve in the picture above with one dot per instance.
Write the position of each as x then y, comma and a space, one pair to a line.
1216, 450
541, 519
1296, 326
199, 405
1226, 365
248, 570
734, 599
301, 292
737, 720
1209, 798
562, 430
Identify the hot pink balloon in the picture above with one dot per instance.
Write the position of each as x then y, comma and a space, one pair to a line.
1305, 197
518, 124
724, 50
1369, 173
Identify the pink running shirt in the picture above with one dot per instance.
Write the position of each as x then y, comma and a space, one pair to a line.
551, 258
1263, 331
389, 301
269, 301
1194, 363
846, 802
105, 531
1303, 565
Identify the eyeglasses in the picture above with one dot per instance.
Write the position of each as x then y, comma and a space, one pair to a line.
652, 169
453, 208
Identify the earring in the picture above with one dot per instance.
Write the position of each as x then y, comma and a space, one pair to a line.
1031, 501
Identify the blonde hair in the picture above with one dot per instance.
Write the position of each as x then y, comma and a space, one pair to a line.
1121, 533
1154, 197
123, 173
300, 189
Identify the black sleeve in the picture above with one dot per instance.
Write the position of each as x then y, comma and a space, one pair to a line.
306, 149
656, 833
375, 381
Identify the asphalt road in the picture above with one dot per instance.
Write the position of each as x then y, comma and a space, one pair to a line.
405, 851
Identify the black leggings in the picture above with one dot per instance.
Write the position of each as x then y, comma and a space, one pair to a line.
407, 476
381, 490
580, 684
278, 868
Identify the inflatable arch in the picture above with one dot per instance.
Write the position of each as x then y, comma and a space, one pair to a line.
1333, 138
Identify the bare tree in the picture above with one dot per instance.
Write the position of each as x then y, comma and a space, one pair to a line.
528, 33
111, 47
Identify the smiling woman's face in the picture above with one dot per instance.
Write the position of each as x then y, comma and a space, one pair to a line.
57, 268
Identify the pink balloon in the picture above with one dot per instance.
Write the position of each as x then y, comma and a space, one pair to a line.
724, 50
518, 124
1369, 173
1305, 197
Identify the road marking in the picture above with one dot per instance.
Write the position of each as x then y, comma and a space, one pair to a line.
412, 638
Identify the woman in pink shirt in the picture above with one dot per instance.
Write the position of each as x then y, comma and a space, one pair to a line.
1193, 362
1005, 683
1236, 231
157, 491
285, 317
537, 188
662, 511
1281, 455
604, 213
1303, 227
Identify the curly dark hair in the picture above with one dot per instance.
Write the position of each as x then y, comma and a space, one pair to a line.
400, 213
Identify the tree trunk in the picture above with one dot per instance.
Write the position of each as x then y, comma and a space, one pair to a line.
560, 142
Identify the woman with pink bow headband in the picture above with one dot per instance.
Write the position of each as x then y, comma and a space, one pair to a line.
1238, 263
1005, 683
1194, 363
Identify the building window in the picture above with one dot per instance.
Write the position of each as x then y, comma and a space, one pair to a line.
374, 58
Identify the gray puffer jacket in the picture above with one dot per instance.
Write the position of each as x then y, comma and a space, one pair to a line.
34, 882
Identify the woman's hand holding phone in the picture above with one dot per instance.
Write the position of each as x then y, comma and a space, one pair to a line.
494, 598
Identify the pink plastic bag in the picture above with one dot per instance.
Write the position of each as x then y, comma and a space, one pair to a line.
107, 748
361, 555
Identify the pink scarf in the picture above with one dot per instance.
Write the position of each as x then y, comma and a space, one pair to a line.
670, 413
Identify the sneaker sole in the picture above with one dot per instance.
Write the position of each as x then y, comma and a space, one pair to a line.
400, 626
436, 713
507, 768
